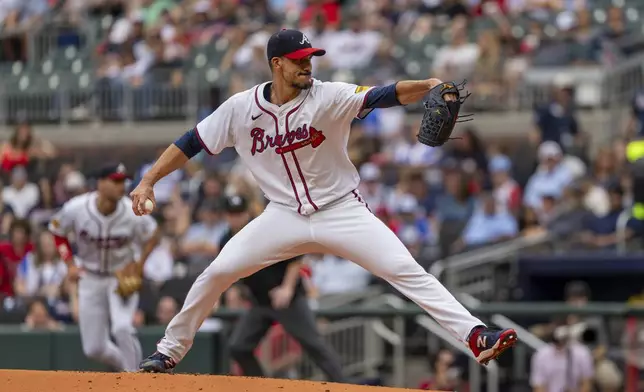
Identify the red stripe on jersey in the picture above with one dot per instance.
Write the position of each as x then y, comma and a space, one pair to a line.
297, 163
277, 131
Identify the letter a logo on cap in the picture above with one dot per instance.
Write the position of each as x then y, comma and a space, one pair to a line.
305, 39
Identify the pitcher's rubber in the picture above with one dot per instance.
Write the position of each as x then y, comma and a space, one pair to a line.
40, 381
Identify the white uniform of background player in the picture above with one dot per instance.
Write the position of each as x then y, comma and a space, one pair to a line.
297, 152
105, 244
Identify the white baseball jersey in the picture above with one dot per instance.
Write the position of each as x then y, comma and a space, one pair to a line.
297, 152
105, 243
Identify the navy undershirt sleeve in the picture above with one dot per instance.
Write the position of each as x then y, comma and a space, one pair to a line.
382, 97
189, 143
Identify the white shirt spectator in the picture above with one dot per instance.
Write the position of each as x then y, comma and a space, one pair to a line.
557, 370
244, 54
160, 264
349, 49
333, 275
458, 59
37, 276
144, 60
416, 154
21, 195
551, 177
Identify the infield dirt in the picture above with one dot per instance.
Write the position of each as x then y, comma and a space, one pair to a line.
40, 381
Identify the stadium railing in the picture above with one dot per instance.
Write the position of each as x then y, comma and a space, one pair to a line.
482, 272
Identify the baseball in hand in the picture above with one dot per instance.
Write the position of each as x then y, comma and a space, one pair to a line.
149, 206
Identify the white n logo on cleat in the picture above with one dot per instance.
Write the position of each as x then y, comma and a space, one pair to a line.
481, 341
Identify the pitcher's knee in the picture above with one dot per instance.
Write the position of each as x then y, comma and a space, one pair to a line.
222, 272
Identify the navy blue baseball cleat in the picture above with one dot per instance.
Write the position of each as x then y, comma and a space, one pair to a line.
157, 363
488, 343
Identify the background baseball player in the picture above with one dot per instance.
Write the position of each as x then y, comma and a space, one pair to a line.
292, 134
108, 237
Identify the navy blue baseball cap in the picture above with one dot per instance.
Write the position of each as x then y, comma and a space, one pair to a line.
292, 44
113, 171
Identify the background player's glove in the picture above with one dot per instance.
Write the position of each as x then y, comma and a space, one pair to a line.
441, 114
129, 280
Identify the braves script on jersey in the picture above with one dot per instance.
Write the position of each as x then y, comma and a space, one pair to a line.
105, 243
297, 152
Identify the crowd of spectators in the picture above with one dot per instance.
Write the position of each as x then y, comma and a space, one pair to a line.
491, 43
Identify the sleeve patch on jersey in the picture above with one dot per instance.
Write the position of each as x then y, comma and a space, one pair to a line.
55, 224
360, 89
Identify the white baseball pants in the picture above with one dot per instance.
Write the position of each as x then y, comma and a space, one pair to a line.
345, 228
102, 312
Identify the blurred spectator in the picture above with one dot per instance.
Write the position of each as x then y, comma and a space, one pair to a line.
46, 207
13, 251
507, 192
601, 231
422, 191
445, 374
453, 209
23, 148
604, 172
353, 47
487, 225
167, 308
551, 176
589, 330
488, 73
159, 267
16, 18
200, 245
69, 183
469, 151
6, 216
557, 121
635, 125
333, 275
41, 272
372, 190
21, 195
457, 60
210, 191
39, 319
562, 365
247, 57
410, 216
569, 215
408, 151
330, 9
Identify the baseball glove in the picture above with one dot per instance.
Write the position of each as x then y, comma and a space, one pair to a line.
441, 115
129, 280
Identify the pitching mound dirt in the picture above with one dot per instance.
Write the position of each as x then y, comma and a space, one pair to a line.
36, 381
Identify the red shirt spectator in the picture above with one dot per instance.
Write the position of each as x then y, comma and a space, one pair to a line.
12, 252
329, 9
